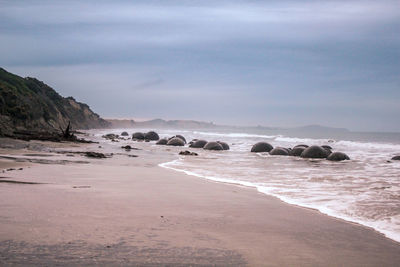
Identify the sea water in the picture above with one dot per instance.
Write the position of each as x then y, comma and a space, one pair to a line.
365, 189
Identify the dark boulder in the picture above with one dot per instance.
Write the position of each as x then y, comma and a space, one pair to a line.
279, 151
176, 141
162, 142
138, 136
124, 134
178, 136
110, 136
213, 146
296, 151
152, 136
198, 144
338, 156
262, 147
188, 153
314, 152
396, 158
127, 147
224, 145
96, 155
302, 145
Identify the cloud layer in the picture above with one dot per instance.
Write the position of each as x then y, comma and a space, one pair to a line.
280, 63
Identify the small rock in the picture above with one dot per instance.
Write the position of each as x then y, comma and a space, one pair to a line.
97, 155
124, 134
188, 153
127, 147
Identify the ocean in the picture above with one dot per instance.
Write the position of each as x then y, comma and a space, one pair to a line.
365, 189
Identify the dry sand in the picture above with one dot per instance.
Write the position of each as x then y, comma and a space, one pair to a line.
128, 211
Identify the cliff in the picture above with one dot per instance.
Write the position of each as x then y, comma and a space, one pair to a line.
29, 104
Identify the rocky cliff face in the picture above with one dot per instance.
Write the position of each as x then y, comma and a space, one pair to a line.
29, 104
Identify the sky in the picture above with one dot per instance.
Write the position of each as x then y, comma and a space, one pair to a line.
273, 63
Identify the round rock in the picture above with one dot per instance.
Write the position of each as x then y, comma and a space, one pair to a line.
296, 151
162, 142
152, 136
213, 146
224, 145
198, 144
279, 151
338, 156
175, 142
138, 136
262, 147
314, 152
305, 146
124, 134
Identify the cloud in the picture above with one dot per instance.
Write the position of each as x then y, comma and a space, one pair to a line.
249, 58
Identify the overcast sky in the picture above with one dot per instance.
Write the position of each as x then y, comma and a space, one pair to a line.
272, 63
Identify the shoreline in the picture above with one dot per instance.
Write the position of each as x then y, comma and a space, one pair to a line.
131, 211
386, 234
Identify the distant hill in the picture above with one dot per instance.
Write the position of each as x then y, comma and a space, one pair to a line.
29, 104
159, 123
319, 128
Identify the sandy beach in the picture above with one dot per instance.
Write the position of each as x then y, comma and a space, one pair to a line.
129, 211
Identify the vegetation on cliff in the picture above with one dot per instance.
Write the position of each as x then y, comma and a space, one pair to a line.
29, 104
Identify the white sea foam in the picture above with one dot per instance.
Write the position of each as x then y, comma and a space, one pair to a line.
379, 226
364, 190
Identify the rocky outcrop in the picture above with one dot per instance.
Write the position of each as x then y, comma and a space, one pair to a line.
29, 104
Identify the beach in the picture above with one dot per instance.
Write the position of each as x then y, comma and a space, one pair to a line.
129, 211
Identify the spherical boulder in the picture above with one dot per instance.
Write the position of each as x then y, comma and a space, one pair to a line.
162, 142
152, 136
296, 151
337, 156
302, 145
198, 144
175, 142
213, 146
396, 158
262, 147
178, 136
279, 151
124, 134
138, 136
314, 152
224, 145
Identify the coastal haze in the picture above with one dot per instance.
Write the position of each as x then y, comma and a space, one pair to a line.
199, 133
274, 63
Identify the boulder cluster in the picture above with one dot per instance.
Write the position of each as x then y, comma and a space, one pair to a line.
304, 151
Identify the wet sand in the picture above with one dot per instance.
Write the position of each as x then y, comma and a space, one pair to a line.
129, 211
